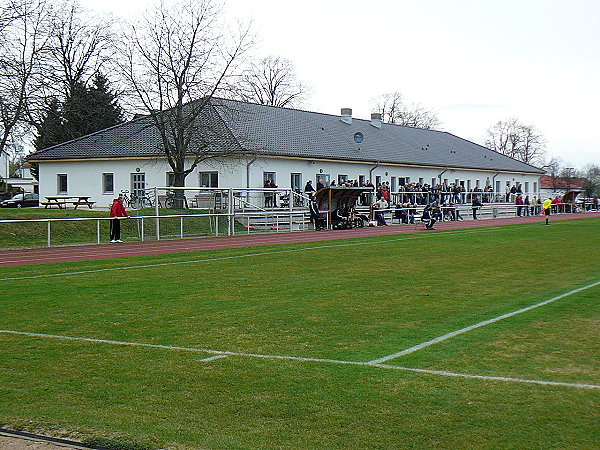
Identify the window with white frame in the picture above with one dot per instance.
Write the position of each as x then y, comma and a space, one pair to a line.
170, 179
108, 183
209, 179
61, 183
269, 176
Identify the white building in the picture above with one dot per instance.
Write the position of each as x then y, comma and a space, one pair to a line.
286, 145
4, 165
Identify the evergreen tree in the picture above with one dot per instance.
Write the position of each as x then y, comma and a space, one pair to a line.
104, 107
50, 131
84, 111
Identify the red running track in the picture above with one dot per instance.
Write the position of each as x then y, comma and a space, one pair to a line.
104, 251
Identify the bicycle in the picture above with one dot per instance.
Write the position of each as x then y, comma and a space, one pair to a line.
136, 201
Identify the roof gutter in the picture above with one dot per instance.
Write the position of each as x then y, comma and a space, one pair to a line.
494, 181
371, 172
442, 173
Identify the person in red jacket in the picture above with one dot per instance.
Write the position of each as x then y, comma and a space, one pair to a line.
117, 210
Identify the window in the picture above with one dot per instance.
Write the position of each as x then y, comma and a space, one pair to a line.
497, 186
468, 185
323, 178
377, 180
61, 183
433, 182
209, 179
170, 179
361, 180
296, 182
393, 185
269, 176
421, 181
108, 183
527, 187
535, 189
342, 179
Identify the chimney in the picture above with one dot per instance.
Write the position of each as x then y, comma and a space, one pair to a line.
346, 116
376, 120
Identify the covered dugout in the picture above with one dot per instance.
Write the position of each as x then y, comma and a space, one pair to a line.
332, 197
568, 201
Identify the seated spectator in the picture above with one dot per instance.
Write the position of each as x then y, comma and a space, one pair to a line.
379, 207
339, 220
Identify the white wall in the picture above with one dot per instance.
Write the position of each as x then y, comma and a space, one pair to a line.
85, 177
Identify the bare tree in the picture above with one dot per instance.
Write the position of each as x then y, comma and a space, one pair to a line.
554, 168
516, 140
272, 81
23, 48
394, 110
80, 46
174, 62
389, 105
592, 177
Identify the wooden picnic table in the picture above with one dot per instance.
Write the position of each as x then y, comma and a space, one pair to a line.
62, 200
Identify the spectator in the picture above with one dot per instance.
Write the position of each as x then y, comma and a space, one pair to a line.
315, 215
117, 210
380, 206
309, 190
268, 195
428, 217
476, 205
519, 203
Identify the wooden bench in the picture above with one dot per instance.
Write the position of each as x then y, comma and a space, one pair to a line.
61, 205
204, 201
86, 203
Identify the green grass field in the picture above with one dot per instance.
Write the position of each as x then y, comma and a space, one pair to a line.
336, 304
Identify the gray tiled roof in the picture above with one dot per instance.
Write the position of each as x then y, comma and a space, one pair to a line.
288, 132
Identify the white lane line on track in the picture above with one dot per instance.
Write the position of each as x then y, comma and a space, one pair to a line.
478, 325
247, 255
304, 359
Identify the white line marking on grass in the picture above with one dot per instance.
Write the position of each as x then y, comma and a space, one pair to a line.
212, 358
445, 373
478, 325
220, 353
248, 255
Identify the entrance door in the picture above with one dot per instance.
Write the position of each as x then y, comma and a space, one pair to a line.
296, 185
138, 184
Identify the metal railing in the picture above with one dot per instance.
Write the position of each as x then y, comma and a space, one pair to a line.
64, 231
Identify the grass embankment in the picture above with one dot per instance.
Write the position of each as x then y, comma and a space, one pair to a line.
353, 300
35, 234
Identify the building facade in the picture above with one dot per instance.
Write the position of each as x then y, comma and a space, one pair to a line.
287, 146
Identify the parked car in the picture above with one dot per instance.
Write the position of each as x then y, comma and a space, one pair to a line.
21, 201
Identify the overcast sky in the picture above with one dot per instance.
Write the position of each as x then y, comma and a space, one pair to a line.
473, 62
